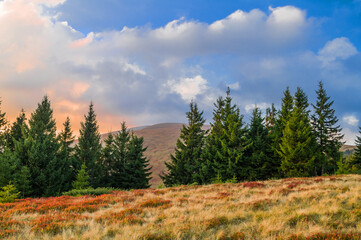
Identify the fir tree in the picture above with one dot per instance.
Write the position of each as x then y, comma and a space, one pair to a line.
108, 161
261, 156
82, 179
226, 144
185, 164
356, 158
43, 150
138, 164
66, 163
88, 150
16, 130
3, 130
298, 146
327, 132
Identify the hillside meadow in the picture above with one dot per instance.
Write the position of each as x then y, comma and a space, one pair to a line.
296, 208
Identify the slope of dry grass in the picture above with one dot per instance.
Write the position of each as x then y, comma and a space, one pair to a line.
317, 208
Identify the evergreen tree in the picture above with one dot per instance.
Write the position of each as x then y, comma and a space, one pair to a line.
356, 158
328, 134
280, 123
42, 146
88, 150
16, 130
298, 146
123, 161
139, 170
66, 157
82, 179
3, 130
108, 161
261, 157
185, 164
226, 144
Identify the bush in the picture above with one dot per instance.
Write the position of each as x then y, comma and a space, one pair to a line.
8, 193
89, 191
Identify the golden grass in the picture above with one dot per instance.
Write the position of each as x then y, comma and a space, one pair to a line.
318, 208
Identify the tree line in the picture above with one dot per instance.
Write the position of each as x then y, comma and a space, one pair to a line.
40, 162
288, 142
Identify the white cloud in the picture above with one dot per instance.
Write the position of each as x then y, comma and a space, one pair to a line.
234, 86
188, 88
350, 120
262, 106
338, 48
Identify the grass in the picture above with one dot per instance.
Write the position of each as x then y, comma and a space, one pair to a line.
295, 208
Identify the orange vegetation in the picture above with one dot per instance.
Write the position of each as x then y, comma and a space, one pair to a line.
293, 208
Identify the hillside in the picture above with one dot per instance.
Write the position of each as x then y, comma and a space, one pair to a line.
295, 208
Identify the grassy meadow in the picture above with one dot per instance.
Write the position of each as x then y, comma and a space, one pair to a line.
295, 208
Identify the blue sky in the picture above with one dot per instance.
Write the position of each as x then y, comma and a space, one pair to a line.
142, 61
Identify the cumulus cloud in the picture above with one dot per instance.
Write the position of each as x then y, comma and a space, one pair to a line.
249, 107
338, 48
350, 120
147, 75
188, 88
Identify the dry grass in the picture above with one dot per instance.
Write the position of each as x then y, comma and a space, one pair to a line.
298, 208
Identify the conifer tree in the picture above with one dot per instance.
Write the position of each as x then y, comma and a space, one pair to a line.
185, 164
226, 144
298, 146
123, 161
261, 156
356, 158
43, 151
3, 130
327, 132
18, 131
88, 150
108, 161
82, 179
139, 170
66, 157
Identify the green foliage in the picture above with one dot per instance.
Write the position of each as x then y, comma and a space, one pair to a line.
226, 143
82, 179
327, 132
89, 191
88, 150
123, 161
8, 193
42, 147
356, 163
184, 166
298, 149
264, 163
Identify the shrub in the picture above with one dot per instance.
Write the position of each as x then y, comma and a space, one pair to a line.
8, 193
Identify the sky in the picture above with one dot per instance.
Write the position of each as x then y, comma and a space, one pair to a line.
143, 61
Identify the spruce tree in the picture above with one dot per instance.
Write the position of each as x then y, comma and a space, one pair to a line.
298, 146
66, 156
327, 132
356, 158
88, 150
184, 166
138, 164
16, 130
82, 179
226, 144
43, 150
108, 161
3, 130
261, 157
